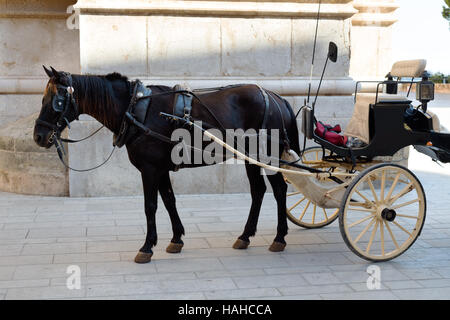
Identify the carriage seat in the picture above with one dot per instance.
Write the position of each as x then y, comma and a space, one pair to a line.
358, 127
408, 68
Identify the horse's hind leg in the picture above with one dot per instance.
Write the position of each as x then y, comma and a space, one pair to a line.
168, 197
279, 191
257, 190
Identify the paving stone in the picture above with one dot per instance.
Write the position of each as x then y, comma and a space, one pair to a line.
114, 246
24, 260
154, 296
58, 292
299, 270
6, 273
159, 277
102, 231
367, 295
407, 284
75, 258
54, 248
89, 280
304, 290
434, 283
242, 293
321, 278
118, 267
362, 276
315, 259
423, 274
423, 294
271, 281
230, 273
188, 265
13, 234
11, 249
24, 283
296, 297
270, 260
44, 271
56, 232
198, 285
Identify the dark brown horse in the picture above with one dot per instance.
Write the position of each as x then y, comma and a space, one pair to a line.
106, 98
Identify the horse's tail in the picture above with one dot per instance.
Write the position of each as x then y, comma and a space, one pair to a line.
292, 130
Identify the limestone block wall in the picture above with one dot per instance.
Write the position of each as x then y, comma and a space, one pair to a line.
32, 33
371, 38
206, 44
197, 43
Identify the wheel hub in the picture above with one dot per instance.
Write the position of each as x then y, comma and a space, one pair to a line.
388, 214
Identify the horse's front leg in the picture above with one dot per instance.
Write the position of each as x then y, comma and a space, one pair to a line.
150, 180
168, 197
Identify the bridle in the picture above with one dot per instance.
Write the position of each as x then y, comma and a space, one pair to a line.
63, 104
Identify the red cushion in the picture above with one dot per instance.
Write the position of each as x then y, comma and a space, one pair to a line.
330, 133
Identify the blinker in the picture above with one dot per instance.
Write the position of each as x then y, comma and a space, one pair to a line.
58, 103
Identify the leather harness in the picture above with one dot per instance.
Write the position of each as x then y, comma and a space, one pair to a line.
136, 114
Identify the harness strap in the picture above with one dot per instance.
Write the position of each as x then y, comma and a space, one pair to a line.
266, 110
148, 131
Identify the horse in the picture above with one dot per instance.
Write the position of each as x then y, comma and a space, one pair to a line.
107, 97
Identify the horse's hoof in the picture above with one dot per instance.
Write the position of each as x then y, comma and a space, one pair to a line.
277, 246
143, 257
240, 244
174, 247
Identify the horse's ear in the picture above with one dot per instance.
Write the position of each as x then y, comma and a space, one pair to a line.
56, 73
48, 72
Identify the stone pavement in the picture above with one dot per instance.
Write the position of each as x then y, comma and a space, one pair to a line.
40, 237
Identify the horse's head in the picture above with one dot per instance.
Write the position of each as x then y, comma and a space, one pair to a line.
58, 108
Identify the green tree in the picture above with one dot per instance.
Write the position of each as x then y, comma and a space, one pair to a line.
446, 10
439, 77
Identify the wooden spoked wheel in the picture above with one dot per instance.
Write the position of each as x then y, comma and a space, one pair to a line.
382, 212
302, 211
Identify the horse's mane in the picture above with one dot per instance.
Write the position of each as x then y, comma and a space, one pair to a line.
95, 95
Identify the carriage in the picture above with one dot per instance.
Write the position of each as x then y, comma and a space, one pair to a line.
381, 205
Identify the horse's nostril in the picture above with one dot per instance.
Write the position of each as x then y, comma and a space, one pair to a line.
38, 138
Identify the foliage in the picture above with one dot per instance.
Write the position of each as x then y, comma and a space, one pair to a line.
446, 10
438, 77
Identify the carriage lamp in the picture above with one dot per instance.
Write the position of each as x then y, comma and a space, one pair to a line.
425, 90
391, 86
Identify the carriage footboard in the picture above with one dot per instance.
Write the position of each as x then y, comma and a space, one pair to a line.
441, 140
435, 153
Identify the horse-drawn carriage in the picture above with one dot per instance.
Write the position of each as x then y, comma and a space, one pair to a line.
381, 206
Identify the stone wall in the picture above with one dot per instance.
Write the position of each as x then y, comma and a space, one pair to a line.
197, 43
206, 44
32, 33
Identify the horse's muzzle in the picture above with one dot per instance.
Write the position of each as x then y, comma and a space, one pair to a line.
42, 139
